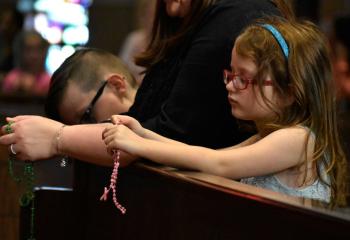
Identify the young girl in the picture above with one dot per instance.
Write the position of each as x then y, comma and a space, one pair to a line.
281, 80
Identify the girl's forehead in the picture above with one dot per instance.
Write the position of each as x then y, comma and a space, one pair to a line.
242, 63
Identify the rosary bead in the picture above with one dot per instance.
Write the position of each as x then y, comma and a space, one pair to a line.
113, 181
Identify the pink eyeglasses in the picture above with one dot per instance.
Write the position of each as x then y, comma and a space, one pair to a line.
240, 82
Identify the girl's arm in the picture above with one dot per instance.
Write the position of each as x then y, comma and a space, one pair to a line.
136, 127
278, 151
156, 137
249, 141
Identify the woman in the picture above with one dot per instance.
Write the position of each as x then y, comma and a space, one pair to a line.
190, 46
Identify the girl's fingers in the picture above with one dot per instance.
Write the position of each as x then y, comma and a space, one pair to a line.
108, 131
110, 150
121, 119
104, 133
108, 140
115, 119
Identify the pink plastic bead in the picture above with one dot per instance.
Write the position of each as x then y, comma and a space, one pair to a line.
112, 185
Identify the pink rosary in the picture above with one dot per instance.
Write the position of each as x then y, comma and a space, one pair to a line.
112, 185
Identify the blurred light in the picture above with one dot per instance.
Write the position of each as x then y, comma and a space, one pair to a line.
63, 24
41, 22
70, 14
47, 5
53, 60
56, 55
85, 3
29, 22
67, 50
25, 5
76, 35
63, 12
52, 34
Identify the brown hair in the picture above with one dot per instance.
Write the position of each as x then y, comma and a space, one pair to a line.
169, 32
306, 76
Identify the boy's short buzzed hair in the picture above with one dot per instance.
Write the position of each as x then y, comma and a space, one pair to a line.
85, 67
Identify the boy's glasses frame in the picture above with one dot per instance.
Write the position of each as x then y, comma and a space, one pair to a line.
87, 115
240, 82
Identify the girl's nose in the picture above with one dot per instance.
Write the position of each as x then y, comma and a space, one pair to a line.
230, 87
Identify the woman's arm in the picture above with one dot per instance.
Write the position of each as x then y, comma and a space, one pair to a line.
35, 138
89, 146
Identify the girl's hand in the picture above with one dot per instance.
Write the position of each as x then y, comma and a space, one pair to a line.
130, 122
121, 137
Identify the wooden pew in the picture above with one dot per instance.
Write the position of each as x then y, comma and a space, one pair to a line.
164, 203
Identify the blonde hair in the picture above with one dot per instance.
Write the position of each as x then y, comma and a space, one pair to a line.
306, 76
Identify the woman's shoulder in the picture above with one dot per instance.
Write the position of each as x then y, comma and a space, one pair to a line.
231, 16
247, 5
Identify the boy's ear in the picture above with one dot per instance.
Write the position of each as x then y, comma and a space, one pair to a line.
117, 82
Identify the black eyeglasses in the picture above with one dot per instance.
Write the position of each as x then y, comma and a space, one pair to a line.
87, 115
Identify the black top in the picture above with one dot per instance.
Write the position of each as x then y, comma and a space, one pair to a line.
184, 97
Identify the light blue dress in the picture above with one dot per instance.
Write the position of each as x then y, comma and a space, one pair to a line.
318, 190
